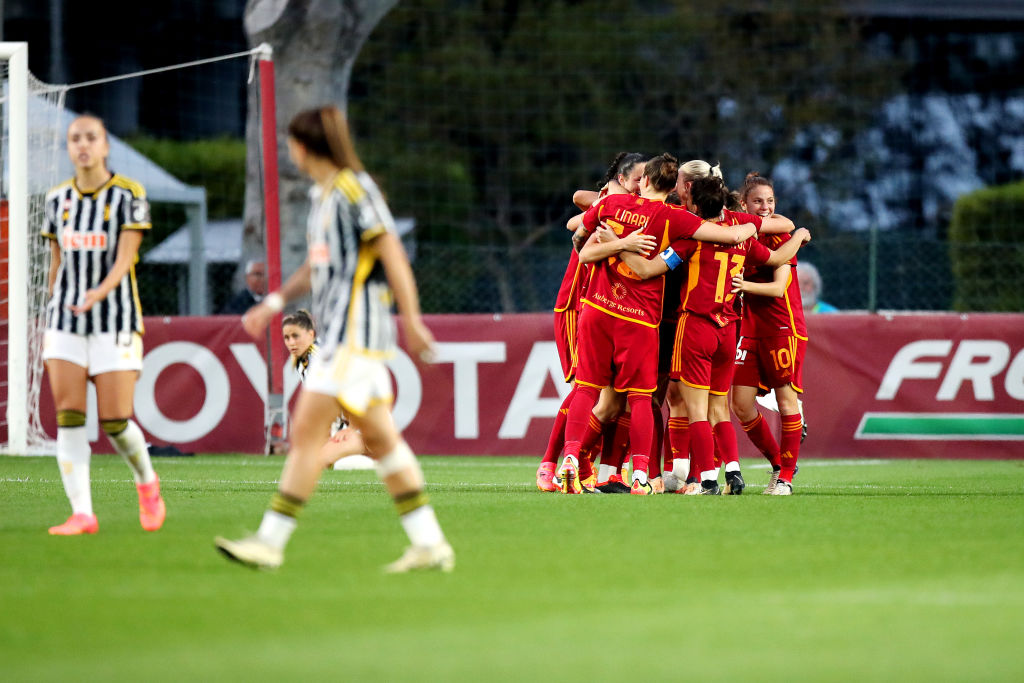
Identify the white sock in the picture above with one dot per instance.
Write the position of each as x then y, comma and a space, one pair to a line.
421, 527
710, 475
732, 466
715, 473
641, 476
605, 471
681, 468
73, 455
276, 529
130, 444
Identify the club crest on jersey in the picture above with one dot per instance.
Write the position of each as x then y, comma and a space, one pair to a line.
89, 241
619, 291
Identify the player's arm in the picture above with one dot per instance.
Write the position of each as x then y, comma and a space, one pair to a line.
775, 288
584, 199
55, 259
599, 246
127, 253
787, 251
647, 268
575, 223
776, 224
257, 318
722, 234
418, 338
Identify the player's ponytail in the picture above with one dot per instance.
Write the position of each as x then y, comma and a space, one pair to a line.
692, 170
753, 179
325, 133
662, 171
709, 196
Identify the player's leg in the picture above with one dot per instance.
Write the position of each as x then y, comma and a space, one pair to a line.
68, 381
344, 443
792, 428
641, 433
402, 475
556, 441
115, 392
678, 438
725, 441
702, 446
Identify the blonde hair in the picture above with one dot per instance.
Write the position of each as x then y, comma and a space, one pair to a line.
692, 170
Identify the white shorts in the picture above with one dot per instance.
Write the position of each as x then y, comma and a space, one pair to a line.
98, 353
356, 380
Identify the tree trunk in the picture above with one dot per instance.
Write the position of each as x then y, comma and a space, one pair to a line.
315, 43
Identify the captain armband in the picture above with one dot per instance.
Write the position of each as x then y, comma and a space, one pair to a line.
671, 258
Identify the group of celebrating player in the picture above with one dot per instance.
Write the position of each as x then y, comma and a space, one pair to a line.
672, 296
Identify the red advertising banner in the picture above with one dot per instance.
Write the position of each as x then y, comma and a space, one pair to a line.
938, 386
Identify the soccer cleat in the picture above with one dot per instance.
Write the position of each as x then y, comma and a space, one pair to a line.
569, 477
783, 488
770, 489
708, 488
734, 484
152, 510
589, 484
803, 432
440, 556
657, 485
690, 488
545, 476
639, 489
78, 523
613, 485
250, 551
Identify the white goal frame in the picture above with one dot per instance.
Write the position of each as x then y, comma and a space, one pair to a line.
16, 56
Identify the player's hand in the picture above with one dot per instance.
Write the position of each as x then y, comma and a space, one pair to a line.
419, 340
91, 297
746, 231
256, 319
802, 234
639, 242
737, 284
605, 234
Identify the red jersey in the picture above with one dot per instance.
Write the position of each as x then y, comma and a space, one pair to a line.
707, 291
573, 283
614, 288
769, 316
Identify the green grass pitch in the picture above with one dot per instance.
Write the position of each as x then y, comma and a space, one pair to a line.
884, 570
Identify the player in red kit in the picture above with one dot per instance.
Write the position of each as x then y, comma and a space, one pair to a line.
706, 334
618, 326
622, 177
773, 338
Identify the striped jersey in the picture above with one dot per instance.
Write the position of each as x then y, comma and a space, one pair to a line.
87, 226
349, 286
301, 364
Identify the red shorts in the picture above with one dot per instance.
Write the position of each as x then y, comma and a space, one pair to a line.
769, 362
616, 352
565, 340
704, 354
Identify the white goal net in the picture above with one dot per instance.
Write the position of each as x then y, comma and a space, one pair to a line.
31, 141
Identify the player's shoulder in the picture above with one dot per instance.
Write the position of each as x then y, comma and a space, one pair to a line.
353, 186
59, 189
133, 186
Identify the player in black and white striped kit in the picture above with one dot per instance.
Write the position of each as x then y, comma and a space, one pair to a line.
95, 223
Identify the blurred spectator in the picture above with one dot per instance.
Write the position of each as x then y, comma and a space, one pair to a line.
810, 289
255, 289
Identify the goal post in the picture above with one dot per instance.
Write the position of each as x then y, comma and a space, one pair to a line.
15, 56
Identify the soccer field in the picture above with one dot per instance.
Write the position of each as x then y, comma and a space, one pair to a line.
908, 570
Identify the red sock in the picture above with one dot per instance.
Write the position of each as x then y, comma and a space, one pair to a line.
702, 445
620, 442
792, 427
588, 447
641, 429
557, 438
725, 440
579, 415
659, 440
678, 438
761, 436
